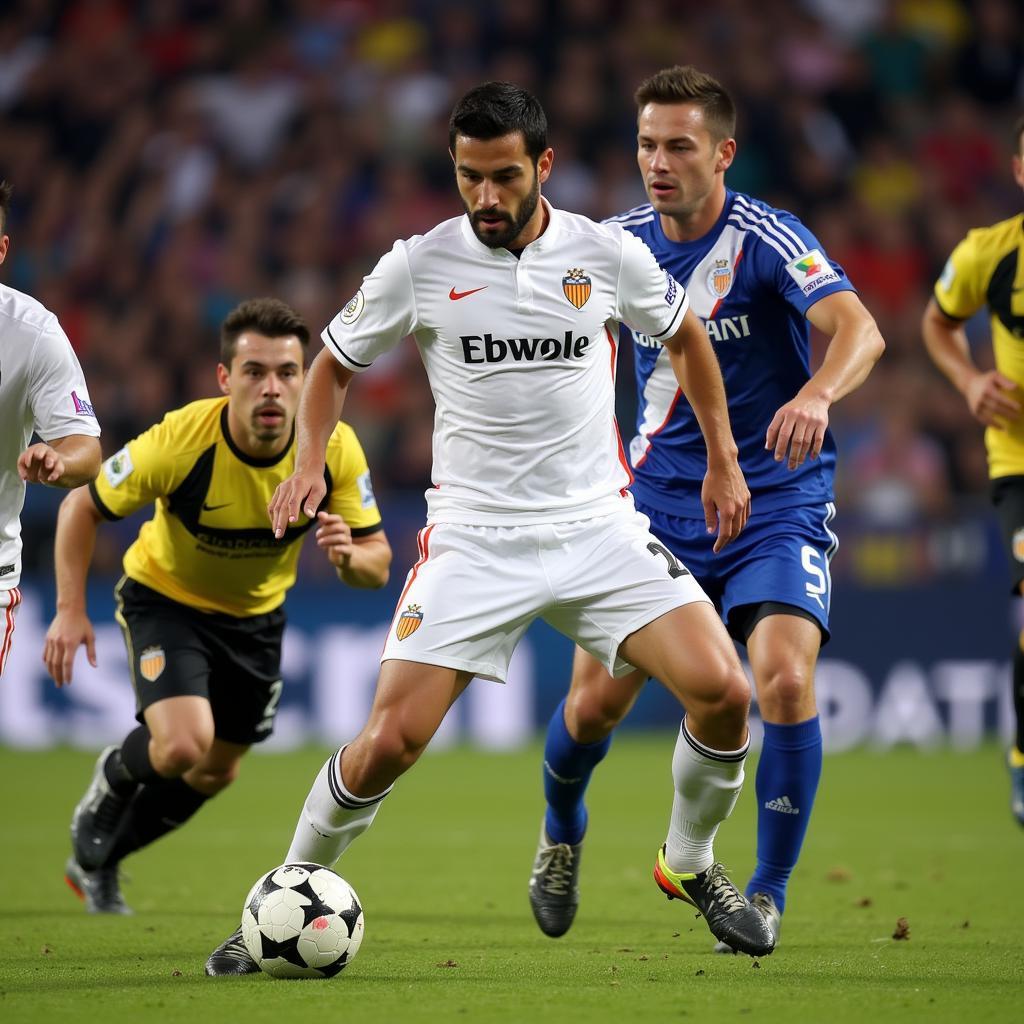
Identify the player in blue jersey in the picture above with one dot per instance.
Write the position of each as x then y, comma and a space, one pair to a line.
756, 276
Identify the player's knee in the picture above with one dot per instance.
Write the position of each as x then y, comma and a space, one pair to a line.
784, 690
174, 755
591, 716
213, 780
392, 748
732, 701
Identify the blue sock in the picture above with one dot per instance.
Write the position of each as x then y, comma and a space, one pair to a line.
567, 769
787, 779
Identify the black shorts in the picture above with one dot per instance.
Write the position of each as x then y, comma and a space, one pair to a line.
1008, 499
176, 651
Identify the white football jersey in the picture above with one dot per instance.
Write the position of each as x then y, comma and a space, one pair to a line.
42, 389
520, 354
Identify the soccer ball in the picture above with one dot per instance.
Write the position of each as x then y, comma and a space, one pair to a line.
302, 921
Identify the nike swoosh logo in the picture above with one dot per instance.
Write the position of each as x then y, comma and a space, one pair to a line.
455, 296
213, 508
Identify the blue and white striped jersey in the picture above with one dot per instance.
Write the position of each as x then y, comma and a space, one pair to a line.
751, 279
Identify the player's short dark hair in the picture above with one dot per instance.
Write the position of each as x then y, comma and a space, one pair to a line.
687, 84
494, 109
269, 317
5, 203
1018, 136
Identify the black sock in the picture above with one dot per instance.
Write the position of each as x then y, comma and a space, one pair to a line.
158, 808
129, 765
1018, 694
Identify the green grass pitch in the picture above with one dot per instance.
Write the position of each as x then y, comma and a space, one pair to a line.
449, 936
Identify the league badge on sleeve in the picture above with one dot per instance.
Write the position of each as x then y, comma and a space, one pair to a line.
948, 275
118, 467
576, 286
409, 621
353, 310
811, 271
363, 482
82, 406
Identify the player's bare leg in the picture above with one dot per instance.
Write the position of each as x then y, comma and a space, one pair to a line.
689, 650
409, 706
783, 650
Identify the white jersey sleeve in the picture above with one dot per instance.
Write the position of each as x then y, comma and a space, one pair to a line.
58, 397
378, 316
649, 299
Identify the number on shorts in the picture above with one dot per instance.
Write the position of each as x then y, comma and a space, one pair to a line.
271, 709
675, 570
817, 585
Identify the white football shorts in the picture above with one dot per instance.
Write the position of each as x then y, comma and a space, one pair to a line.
475, 590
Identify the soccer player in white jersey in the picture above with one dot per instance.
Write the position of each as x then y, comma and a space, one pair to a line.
515, 308
42, 391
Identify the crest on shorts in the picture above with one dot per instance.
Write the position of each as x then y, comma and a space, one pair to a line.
409, 621
1018, 544
576, 285
152, 661
719, 277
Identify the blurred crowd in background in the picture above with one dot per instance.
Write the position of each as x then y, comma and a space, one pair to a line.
174, 157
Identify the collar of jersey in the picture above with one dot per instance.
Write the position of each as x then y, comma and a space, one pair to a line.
550, 236
251, 460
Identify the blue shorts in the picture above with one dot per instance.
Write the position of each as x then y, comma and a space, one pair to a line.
780, 557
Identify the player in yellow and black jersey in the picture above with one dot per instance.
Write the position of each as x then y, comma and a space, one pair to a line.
201, 600
987, 269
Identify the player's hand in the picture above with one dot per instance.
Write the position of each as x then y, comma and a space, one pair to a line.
797, 430
302, 490
67, 632
726, 501
334, 537
40, 464
990, 398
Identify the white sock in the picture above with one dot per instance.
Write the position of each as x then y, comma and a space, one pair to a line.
331, 818
707, 784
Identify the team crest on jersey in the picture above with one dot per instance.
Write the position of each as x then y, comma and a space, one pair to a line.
152, 662
409, 621
720, 278
1018, 545
576, 285
351, 313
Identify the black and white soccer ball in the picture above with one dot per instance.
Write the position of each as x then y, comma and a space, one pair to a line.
302, 921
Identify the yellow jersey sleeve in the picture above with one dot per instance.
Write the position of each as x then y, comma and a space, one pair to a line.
961, 287
147, 468
351, 494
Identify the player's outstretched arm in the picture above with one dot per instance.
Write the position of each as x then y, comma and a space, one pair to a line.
323, 397
798, 428
989, 395
73, 546
725, 495
63, 462
360, 561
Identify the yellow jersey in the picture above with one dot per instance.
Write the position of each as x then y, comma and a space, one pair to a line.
209, 544
987, 269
